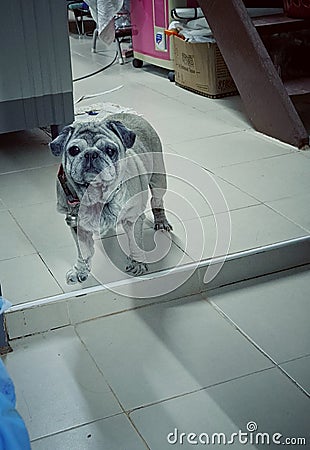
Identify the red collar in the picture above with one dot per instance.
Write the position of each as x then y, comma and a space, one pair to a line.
72, 198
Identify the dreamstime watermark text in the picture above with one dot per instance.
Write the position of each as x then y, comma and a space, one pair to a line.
250, 436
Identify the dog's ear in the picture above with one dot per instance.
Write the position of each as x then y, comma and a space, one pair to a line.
127, 136
57, 146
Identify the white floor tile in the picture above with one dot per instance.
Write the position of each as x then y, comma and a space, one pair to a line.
273, 312
139, 97
189, 126
184, 199
232, 104
46, 227
59, 261
305, 153
236, 117
29, 187
272, 178
230, 149
205, 104
295, 208
114, 433
82, 66
43, 225
104, 81
251, 227
257, 226
2, 206
58, 386
299, 370
267, 399
185, 97
84, 61
27, 278
235, 198
167, 350
13, 242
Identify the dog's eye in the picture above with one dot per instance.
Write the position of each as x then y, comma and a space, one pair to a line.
110, 151
74, 150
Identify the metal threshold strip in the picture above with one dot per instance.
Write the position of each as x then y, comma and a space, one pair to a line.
234, 268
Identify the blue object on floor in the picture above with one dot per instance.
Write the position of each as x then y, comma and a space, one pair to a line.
4, 344
13, 432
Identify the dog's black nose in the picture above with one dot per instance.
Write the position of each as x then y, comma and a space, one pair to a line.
91, 155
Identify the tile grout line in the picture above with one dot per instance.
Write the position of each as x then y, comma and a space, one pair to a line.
258, 347
285, 216
75, 427
82, 425
188, 141
128, 412
50, 272
296, 359
123, 410
215, 168
137, 431
12, 172
260, 159
22, 231
251, 161
136, 308
195, 391
36, 250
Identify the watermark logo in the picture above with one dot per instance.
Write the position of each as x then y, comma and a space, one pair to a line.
250, 436
251, 426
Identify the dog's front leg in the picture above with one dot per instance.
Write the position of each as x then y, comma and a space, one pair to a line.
85, 249
137, 259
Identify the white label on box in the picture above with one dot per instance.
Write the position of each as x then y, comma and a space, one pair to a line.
160, 39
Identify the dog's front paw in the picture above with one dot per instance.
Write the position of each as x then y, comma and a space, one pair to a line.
77, 275
160, 220
136, 268
163, 225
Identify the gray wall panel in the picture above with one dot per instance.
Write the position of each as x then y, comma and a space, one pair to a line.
35, 76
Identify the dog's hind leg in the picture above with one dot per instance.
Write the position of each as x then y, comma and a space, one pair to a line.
158, 186
137, 260
85, 249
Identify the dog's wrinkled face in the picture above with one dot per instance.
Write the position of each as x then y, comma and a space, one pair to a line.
93, 150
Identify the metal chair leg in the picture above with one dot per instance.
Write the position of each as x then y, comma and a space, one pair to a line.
95, 37
77, 22
82, 24
120, 59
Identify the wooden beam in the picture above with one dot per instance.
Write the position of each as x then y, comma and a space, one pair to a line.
264, 96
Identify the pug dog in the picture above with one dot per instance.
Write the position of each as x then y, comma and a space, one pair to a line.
107, 169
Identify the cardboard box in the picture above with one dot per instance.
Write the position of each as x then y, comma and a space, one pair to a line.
200, 67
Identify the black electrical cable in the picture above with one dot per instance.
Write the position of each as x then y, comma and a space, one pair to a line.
97, 71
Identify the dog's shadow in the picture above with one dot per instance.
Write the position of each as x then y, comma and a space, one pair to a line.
111, 254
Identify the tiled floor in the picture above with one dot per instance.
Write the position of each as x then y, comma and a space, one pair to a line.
202, 365
195, 365
215, 163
